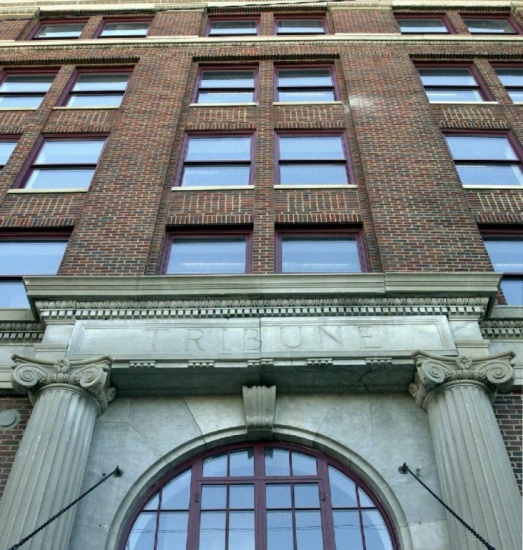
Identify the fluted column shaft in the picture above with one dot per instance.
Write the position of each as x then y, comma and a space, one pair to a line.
475, 473
50, 465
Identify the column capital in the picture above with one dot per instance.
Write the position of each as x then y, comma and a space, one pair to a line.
434, 372
90, 375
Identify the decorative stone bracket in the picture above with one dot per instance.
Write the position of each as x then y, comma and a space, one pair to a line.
91, 375
259, 404
494, 372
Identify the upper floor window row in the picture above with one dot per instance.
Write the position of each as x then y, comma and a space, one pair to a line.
440, 24
250, 26
111, 28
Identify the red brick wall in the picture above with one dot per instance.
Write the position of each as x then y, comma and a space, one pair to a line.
10, 439
509, 412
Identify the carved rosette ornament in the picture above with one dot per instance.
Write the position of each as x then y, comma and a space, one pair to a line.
433, 372
91, 375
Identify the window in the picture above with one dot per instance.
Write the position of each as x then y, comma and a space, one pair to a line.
221, 159
65, 163
124, 29
305, 84
512, 79
235, 85
306, 159
24, 90
94, 89
7, 146
300, 25
488, 159
27, 256
265, 496
59, 31
448, 84
218, 26
425, 24
203, 253
490, 25
506, 255
313, 251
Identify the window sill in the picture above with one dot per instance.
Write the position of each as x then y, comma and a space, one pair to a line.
464, 103
307, 103
326, 186
212, 187
66, 190
490, 187
90, 108
250, 104
18, 108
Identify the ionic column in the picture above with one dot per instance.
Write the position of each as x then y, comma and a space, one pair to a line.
49, 468
476, 477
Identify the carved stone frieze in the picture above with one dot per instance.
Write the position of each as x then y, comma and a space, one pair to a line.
320, 362
259, 405
200, 364
502, 329
494, 372
21, 332
142, 364
91, 375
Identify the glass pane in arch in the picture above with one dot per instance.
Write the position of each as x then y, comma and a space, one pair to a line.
262, 496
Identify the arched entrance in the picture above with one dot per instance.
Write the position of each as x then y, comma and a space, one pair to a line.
260, 496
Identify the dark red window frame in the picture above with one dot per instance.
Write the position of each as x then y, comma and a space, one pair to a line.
211, 232
11, 138
225, 69
481, 85
320, 231
322, 478
64, 98
44, 23
212, 18
298, 66
28, 72
311, 133
25, 172
508, 18
110, 20
496, 66
185, 148
321, 17
440, 17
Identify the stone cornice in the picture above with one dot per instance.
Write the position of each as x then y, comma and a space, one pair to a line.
90, 375
435, 372
21, 332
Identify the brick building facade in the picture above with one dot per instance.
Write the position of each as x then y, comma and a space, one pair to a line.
261, 227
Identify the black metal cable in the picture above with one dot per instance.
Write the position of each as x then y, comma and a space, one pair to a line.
116, 473
404, 469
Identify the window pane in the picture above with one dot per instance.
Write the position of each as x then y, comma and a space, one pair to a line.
313, 174
241, 497
101, 82
219, 148
516, 95
451, 95
214, 497
74, 151
216, 175
446, 77
20, 102
279, 531
489, 26
27, 83
232, 27
365, 501
12, 294
175, 495
510, 76
306, 495
343, 490
303, 96
172, 530
60, 178
480, 148
513, 291
124, 29
212, 531
375, 531
214, 466
506, 254
277, 462
278, 496
143, 533
486, 174
225, 97
422, 26
303, 465
87, 100
300, 26
153, 503
221, 255
227, 79
6, 148
36, 257
308, 531
242, 463
311, 147
304, 77
347, 530
241, 531
72, 30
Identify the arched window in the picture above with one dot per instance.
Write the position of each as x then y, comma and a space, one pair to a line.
263, 496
